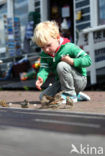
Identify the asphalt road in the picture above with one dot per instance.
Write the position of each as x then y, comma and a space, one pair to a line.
26, 132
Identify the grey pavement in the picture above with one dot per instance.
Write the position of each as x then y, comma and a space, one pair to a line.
95, 106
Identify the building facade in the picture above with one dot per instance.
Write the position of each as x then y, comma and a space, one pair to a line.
78, 13
92, 38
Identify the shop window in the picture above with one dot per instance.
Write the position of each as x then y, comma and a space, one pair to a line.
101, 12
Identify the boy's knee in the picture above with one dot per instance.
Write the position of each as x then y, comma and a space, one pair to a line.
62, 66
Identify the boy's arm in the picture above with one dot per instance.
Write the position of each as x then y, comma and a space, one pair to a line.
80, 57
75, 56
43, 73
82, 61
44, 69
39, 83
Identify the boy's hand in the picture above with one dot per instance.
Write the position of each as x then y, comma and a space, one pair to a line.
67, 59
39, 83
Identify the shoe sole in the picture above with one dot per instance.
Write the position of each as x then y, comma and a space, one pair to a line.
84, 96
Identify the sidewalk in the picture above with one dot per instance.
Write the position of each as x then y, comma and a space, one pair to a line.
96, 105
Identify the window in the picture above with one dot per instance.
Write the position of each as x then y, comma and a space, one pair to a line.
101, 12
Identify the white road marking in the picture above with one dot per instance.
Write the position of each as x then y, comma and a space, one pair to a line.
63, 115
67, 123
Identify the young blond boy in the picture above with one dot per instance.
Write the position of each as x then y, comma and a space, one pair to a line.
66, 60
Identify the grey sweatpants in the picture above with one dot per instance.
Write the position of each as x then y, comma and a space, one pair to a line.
70, 81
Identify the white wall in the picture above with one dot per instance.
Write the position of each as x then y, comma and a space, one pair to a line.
94, 12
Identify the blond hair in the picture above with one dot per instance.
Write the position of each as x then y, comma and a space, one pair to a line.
44, 31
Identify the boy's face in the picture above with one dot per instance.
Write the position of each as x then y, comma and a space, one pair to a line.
51, 46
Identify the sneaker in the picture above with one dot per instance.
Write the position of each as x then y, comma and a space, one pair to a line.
83, 97
63, 97
69, 100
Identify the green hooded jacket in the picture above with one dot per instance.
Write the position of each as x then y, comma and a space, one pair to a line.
49, 63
